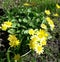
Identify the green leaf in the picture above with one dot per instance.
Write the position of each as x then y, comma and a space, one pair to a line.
13, 20
18, 31
18, 25
26, 32
25, 20
12, 31
14, 25
20, 20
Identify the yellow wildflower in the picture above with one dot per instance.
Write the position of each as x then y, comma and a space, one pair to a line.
33, 44
6, 25
9, 24
16, 57
39, 49
48, 18
47, 12
43, 42
17, 42
42, 34
34, 41
12, 38
13, 41
58, 6
56, 15
50, 22
26, 4
35, 38
31, 32
43, 26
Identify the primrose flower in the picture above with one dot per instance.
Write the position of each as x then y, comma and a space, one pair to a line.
16, 57
39, 49
47, 12
31, 31
6, 25
13, 41
58, 6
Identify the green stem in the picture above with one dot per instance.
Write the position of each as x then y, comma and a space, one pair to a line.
8, 55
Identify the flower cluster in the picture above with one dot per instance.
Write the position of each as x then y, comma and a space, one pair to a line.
47, 12
38, 40
13, 41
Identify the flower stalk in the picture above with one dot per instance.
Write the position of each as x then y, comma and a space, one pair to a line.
8, 55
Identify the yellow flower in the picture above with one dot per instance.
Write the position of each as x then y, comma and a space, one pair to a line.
9, 24
43, 42
6, 25
31, 32
17, 42
56, 15
39, 49
48, 18
42, 34
12, 38
13, 41
43, 26
34, 41
33, 44
26, 4
35, 38
58, 6
47, 12
50, 22
16, 57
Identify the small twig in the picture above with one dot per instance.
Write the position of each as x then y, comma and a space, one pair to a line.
26, 53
